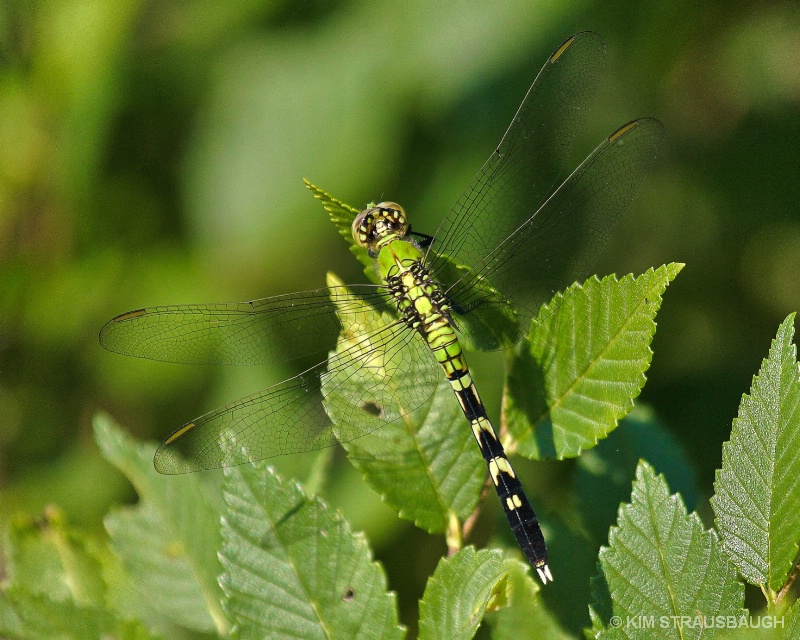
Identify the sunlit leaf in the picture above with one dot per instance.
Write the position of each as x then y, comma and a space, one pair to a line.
583, 363
661, 563
757, 490
293, 568
459, 592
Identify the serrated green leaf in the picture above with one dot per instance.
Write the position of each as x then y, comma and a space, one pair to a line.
168, 543
583, 363
458, 593
757, 490
603, 474
292, 567
425, 464
526, 616
660, 562
342, 216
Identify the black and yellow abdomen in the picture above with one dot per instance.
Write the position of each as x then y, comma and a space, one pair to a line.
423, 306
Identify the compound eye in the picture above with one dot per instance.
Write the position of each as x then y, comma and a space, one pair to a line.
395, 214
362, 229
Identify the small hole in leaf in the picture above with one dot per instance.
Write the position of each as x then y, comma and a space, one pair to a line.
349, 595
372, 408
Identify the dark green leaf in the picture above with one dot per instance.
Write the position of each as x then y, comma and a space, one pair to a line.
583, 363
757, 490
661, 563
292, 567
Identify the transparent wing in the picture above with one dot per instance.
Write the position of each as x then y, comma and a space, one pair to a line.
374, 377
558, 243
527, 164
255, 332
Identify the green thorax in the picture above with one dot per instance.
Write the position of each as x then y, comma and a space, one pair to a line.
397, 256
382, 229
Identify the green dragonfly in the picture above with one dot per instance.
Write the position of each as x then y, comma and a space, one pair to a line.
518, 234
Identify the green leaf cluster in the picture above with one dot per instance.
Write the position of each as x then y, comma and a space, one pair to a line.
664, 570
249, 554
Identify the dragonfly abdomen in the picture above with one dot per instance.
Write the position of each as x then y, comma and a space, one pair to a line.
424, 307
521, 516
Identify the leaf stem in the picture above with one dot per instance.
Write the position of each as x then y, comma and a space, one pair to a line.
793, 574
469, 523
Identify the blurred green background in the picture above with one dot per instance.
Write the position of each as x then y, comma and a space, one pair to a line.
152, 153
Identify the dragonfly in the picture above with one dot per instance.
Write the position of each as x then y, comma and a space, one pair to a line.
519, 233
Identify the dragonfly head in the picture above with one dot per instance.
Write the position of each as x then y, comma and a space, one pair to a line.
379, 223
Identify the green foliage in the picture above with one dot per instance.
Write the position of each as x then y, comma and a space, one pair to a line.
583, 363
342, 216
757, 491
793, 623
258, 558
661, 562
261, 559
603, 474
459, 592
292, 568
168, 542
425, 465
58, 586
150, 155
526, 616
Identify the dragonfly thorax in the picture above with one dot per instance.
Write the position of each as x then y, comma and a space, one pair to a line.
379, 224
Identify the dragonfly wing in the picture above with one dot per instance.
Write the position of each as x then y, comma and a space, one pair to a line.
558, 243
255, 332
241, 432
377, 378
369, 385
528, 163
